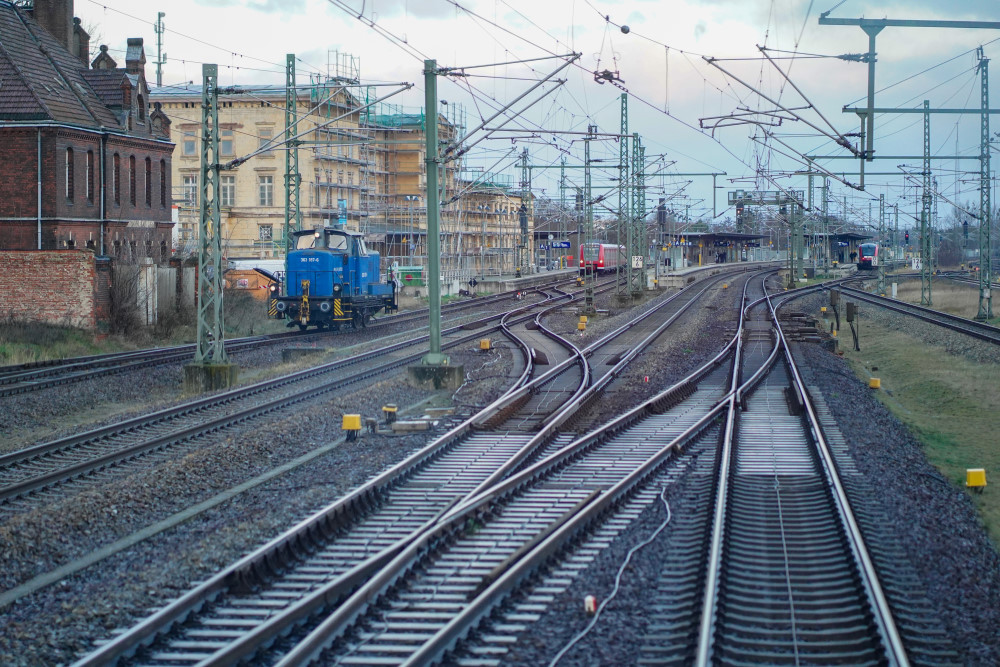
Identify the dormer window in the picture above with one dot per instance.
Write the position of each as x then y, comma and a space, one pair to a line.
142, 107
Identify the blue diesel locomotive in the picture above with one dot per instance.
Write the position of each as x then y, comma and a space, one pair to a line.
332, 279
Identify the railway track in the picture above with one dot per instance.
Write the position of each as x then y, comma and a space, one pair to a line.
323, 560
33, 376
770, 591
980, 330
38, 473
788, 576
454, 575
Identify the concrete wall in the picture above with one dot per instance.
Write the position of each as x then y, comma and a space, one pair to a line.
148, 291
166, 287
54, 286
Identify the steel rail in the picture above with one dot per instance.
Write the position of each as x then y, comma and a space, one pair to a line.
346, 582
881, 612
33, 484
55, 373
980, 330
369, 570
324, 634
322, 522
880, 605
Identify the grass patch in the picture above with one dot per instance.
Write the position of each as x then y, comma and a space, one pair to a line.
947, 296
24, 342
947, 402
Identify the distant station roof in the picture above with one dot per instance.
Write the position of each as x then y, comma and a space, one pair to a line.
722, 236
848, 236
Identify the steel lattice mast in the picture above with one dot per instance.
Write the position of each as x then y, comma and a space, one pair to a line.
636, 228
925, 215
985, 214
210, 347
293, 179
881, 243
588, 204
624, 204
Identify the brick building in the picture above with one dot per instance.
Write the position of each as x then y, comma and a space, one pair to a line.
85, 162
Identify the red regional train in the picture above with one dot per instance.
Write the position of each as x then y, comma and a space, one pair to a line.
867, 256
603, 257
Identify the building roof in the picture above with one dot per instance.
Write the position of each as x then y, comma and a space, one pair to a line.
42, 81
107, 83
726, 236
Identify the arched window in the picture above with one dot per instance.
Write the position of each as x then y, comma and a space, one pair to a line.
90, 176
163, 183
116, 181
131, 179
149, 182
69, 174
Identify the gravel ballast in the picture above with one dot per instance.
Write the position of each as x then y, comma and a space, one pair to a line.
58, 623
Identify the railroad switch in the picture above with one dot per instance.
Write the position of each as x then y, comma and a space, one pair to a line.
975, 478
389, 412
351, 424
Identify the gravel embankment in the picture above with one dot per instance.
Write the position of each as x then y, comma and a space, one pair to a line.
59, 411
55, 624
691, 341
931, 522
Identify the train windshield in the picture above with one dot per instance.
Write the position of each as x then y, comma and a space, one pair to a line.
868, 249
591, 252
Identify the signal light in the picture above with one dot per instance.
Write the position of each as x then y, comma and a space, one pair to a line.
907, 236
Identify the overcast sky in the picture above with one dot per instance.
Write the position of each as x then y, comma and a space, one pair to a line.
660, 61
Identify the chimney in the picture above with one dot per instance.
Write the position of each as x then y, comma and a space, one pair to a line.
135, 56
56, 16
81, 42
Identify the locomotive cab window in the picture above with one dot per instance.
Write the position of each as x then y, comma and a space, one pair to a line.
305, 241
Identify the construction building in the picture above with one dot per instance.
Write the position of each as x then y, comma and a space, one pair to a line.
361, 163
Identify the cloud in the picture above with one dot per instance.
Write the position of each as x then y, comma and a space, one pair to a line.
266, 6
700, 28
424, 9
283, 6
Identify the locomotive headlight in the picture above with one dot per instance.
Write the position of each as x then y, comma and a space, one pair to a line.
281, 306
324, 306
336, 289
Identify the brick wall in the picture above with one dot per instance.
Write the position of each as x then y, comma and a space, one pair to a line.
53, 286
75, 222
18, 173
